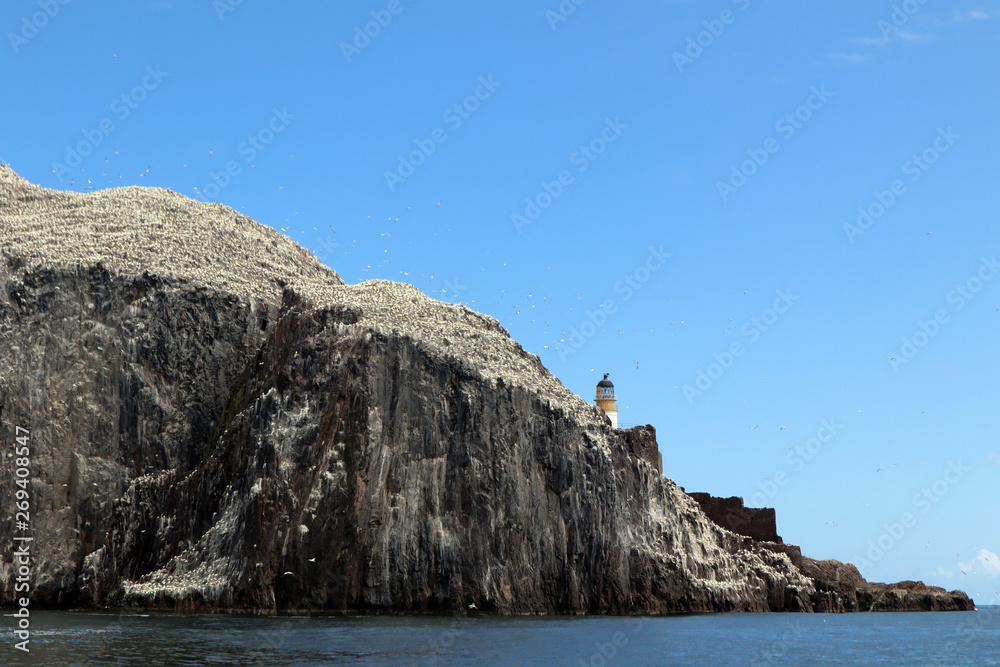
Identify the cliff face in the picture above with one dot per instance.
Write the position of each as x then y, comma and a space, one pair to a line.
259, 436
183, 456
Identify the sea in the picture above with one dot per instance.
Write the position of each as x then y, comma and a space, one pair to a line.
922, 638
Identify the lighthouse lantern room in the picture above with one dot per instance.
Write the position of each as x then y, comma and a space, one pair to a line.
606, 400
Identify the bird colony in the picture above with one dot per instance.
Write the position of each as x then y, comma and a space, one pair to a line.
133, 230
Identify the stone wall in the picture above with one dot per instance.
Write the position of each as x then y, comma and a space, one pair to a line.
758, 523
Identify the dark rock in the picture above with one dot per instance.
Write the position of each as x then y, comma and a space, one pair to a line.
640, 442
840, 587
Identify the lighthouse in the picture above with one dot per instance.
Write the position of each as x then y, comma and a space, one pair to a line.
606, 400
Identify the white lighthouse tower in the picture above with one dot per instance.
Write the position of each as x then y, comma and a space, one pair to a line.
606, 400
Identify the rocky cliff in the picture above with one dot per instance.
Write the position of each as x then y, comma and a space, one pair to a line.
218, 422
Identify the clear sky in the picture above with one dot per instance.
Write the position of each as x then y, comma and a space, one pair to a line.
813, 181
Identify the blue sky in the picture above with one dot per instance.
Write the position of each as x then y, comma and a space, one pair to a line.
536, 163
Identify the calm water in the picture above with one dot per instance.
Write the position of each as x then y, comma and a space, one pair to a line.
77, 638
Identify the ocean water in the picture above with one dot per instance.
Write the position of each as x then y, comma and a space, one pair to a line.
84, 638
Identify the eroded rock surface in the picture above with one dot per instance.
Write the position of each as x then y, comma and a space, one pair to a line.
840, 587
